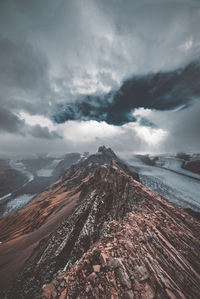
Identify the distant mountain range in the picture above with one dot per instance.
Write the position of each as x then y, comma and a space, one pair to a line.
22, 179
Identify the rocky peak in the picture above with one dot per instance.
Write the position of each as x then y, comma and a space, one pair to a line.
78, 172
107, 151
103, 156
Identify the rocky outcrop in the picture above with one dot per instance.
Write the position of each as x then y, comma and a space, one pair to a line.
121, 241
193, 165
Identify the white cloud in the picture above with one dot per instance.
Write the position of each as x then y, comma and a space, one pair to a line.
173, 131
87, 131
33, 120
142, 112
181, 127
188, 44
150, 135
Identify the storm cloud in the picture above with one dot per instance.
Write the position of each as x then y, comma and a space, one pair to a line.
13, 124
85, 68
10, 122
161, 91
43, 132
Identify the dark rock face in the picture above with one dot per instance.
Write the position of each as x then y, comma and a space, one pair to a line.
193, 213
107, 152
10, 179
193, 166
67, 162
103, 156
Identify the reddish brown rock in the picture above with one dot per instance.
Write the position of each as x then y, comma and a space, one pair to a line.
49, 291
92, 277
129, 294
103, 257
96, 268
63, 294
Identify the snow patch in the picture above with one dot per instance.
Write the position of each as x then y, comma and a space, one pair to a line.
115, 167
5, 196
17, 203
48, 171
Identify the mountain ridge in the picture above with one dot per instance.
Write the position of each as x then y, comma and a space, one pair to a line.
118, 240
21, 231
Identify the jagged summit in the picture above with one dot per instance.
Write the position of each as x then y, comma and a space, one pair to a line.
102, 148
102, 156
107, 151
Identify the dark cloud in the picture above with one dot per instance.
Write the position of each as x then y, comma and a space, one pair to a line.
161, 91
43, 132
22, 66
10, 122
17, 16
24, 78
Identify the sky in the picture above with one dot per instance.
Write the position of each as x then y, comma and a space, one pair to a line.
77, 74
